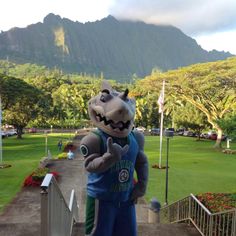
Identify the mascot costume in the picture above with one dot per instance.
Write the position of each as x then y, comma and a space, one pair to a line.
112, 152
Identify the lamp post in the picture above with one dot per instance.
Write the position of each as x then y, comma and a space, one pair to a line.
168, 134
46, 143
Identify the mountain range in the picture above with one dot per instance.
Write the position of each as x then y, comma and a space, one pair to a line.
119, 49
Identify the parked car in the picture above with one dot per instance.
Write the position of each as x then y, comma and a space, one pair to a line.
170, 129
180, 131
214, 137
4, 134
155, 131
141, 129
204, 135
11, 132
189, 133
32, 130
210, 133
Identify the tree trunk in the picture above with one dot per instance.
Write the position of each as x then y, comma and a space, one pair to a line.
218, 143
19, 132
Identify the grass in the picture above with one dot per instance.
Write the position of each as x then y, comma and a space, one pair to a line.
23, 155
195, 167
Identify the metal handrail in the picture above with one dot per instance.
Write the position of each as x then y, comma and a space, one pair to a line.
57, 217
190, 209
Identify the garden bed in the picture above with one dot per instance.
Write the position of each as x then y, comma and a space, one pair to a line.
36, 178
217, 202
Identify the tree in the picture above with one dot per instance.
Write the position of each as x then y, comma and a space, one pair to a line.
20, 102
188, 116
210, 87
72, 99
229, 126
9, 90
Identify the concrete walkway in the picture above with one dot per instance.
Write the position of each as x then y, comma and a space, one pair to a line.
22, 216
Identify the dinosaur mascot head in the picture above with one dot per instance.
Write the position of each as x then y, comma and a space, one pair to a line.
113, 112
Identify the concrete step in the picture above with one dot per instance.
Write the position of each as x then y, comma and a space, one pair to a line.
20, 229
78, 230
141, 213
178, 229
145, 229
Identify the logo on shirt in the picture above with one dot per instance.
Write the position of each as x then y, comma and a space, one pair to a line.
123, 176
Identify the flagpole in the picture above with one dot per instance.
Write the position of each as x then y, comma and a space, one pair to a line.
161, 134
162, 117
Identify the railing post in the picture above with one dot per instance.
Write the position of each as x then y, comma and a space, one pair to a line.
189, 207
234, 223
44, 213
178, 211
211, 226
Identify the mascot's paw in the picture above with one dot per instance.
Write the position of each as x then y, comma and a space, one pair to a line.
115, 149
138, 191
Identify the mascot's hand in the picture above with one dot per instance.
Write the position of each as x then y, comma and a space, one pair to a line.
116, 150
138, 191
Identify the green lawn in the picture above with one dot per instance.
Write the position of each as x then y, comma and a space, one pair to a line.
24, 156
195, 167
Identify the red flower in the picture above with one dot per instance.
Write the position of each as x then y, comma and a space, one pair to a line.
29, 181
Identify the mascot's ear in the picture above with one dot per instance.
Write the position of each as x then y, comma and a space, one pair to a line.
106, 86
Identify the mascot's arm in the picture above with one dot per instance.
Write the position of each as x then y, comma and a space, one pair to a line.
95, 161
141, 167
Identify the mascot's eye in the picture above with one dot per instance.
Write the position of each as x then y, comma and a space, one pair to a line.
103, 98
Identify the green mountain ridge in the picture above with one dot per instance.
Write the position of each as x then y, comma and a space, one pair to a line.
118, 49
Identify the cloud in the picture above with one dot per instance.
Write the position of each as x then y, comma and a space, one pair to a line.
223, 41
191, 16
15, 13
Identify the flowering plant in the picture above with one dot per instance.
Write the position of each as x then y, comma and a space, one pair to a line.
40, 173
62, 155
35, 179
216, 202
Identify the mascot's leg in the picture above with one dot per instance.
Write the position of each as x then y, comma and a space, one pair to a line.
125, 223
100, 217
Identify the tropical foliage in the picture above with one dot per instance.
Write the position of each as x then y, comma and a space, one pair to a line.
197, 97
209, 87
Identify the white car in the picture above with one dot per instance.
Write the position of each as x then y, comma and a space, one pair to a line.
4, 134
11, 132
141, 129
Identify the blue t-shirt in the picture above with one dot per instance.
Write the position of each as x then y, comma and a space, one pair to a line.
116, 183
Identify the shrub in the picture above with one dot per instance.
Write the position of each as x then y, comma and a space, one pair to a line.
69, 146
62, 155
40, 173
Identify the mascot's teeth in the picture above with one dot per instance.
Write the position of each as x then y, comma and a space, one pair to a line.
117, 130
118, 126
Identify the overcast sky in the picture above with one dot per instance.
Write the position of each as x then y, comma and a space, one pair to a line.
211, 22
